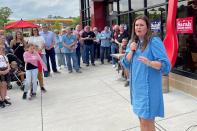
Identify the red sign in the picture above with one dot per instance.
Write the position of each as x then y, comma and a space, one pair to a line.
184, 25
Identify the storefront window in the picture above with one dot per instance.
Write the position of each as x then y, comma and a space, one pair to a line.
123, 5
124, 19
115, 6
137, 4
138, 13
187, 53
87, 3
110, 8
158, 20
155, 2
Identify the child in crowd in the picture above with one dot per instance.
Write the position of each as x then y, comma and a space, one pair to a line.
125, 72
4, 77
123, 46
31, 58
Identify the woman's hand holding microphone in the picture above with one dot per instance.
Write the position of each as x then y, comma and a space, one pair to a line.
133, 48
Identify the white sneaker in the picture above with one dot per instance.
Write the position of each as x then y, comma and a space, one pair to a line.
114, 66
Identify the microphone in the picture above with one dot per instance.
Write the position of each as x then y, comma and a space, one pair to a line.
136, 41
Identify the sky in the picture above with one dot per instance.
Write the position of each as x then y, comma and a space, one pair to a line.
30, 9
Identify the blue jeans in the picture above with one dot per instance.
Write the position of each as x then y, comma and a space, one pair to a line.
105, 51
89, 49
31, 77
114, 50
60, 59
82, 49
97, 50
72, 56
51, 53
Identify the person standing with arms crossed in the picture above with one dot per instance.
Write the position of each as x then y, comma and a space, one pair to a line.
147, 62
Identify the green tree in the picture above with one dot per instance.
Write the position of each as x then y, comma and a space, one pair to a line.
76, 21
54, 17
5, 12
56, 26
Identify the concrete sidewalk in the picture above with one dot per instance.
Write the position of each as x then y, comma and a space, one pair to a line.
94, 100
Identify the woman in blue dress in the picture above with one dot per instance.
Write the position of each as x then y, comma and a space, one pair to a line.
147, 61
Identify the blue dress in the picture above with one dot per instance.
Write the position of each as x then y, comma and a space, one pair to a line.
146, 82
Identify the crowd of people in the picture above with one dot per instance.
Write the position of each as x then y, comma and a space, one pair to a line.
143, 64
70, 47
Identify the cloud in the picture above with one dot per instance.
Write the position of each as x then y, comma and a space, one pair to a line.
29, 9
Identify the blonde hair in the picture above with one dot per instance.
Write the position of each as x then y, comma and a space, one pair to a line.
29, 45
1, 43
15, 38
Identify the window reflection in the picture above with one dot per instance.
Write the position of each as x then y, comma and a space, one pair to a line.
137, 4
155, 2
123, 5
158, 20
187, 53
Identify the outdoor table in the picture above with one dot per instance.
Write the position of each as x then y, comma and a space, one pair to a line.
117, 56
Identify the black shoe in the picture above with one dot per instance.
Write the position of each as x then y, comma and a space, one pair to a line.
18, 83
126, 84
33, 95
2, 104
22, 87
43, 89
57, 72
70, 71
7, 102
25, 95
93, 64
87, 64
78, 71
102, 62
9, 86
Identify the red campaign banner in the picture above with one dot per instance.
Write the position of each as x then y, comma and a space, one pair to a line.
184, 25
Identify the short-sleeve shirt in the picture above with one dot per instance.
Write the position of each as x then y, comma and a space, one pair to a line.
49, 37
68, 40
37, 40
58, 44
3, 61
122, 36
91, 35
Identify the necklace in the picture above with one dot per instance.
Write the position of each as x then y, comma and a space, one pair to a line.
140, 44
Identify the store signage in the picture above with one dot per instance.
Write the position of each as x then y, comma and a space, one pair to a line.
184, 25
156, 26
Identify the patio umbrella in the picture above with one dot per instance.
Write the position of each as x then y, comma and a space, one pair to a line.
20, 24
